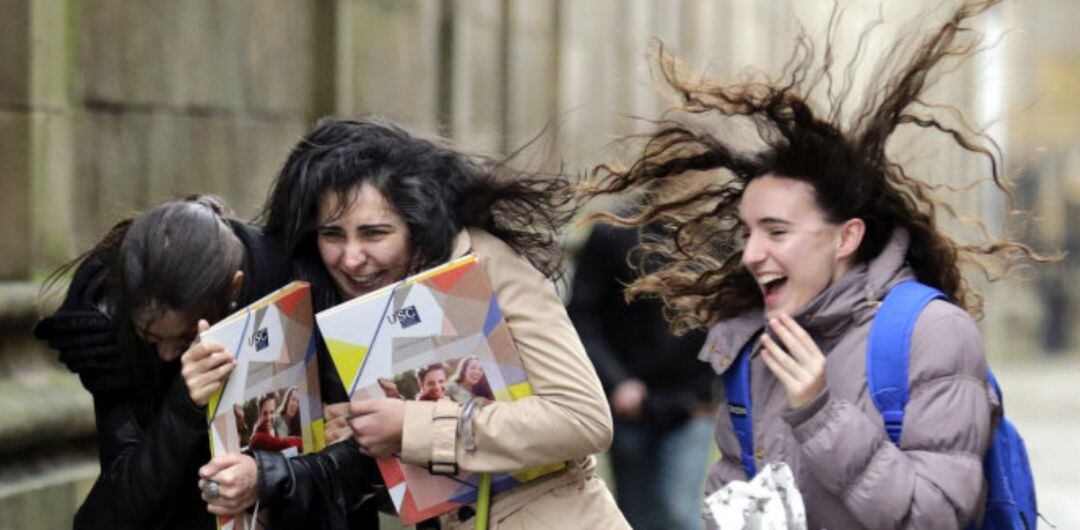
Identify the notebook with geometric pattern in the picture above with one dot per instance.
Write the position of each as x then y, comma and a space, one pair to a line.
271, 399
437, 335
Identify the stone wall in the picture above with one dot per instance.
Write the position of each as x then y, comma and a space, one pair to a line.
106, 107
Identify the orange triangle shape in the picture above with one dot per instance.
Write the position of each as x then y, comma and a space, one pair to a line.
446, 280
287, 304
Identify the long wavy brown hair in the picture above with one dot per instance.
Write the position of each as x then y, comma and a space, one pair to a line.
693, 177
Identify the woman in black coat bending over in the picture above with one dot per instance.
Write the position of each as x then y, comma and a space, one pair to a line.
128, 327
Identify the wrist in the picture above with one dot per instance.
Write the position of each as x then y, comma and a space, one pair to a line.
797, 417
273, 476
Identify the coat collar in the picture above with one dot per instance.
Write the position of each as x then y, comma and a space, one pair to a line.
727, 337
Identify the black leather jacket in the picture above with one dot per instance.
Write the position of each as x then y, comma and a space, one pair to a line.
337, 487
153, 438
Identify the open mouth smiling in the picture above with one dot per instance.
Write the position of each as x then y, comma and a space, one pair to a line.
367, 281
771, 285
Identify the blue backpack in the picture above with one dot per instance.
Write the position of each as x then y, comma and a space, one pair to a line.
1010, 500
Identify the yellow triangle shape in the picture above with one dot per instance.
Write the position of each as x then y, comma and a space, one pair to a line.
514, 392
347, 359
315, 435
211, 406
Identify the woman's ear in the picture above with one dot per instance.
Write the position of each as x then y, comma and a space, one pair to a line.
414, 264
851, 235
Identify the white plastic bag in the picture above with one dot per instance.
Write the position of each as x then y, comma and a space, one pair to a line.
770, 501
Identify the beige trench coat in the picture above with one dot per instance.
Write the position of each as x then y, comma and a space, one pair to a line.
565, 420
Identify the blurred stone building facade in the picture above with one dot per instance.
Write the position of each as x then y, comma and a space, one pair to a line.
108, 106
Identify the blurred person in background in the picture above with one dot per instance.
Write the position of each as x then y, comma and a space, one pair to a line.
660, 393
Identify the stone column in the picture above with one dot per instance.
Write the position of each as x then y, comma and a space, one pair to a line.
15, 106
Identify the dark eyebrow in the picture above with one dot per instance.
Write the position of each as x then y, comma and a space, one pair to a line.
358, 227
763, 221
773, 221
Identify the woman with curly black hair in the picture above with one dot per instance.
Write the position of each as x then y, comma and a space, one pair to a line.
361, 204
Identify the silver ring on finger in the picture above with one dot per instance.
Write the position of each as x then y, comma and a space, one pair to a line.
211, 490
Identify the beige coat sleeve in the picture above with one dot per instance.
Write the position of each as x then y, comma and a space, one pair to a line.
566, 418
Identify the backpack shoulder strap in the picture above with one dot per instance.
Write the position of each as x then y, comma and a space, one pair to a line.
888, 348
737, 392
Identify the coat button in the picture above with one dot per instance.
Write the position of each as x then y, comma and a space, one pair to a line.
759, 454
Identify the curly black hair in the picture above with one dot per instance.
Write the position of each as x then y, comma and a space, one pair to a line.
435, 188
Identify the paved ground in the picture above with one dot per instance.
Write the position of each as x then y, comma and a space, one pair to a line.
1043, 400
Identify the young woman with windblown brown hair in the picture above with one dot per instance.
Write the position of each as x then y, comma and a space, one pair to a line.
803, 238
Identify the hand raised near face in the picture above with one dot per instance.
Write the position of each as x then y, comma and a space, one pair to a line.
205, 366
628, 397
799, 364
